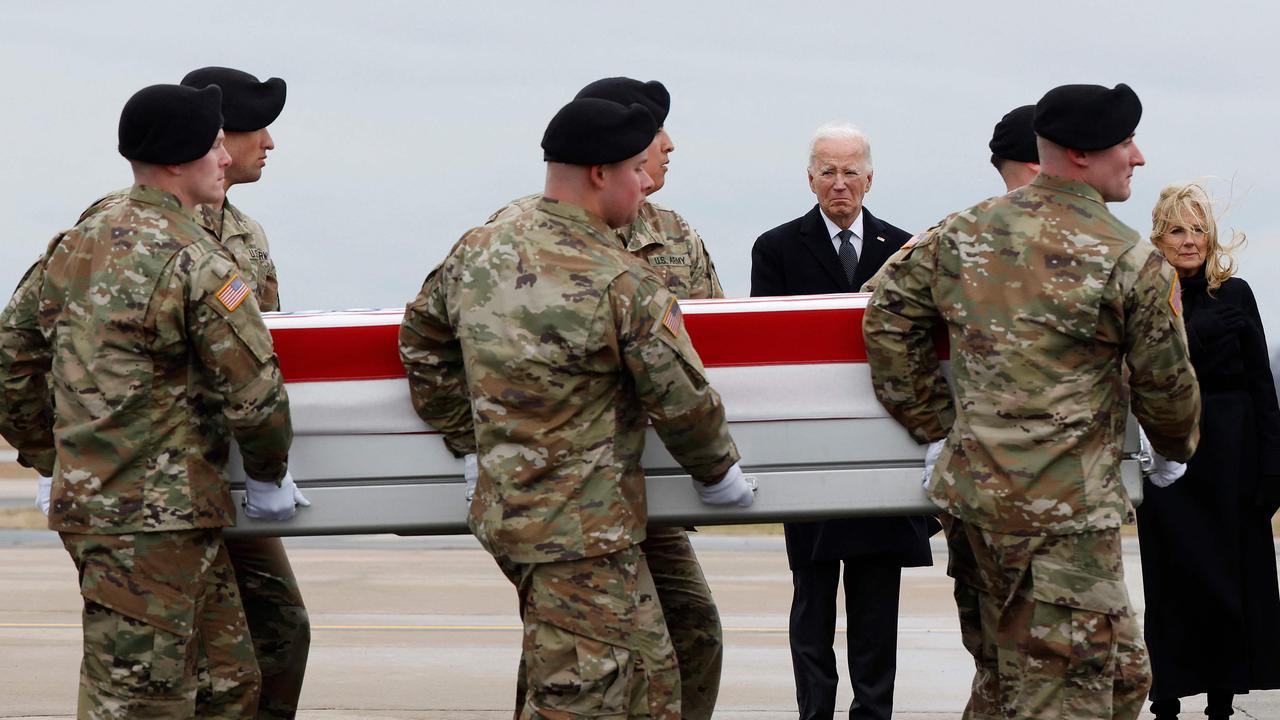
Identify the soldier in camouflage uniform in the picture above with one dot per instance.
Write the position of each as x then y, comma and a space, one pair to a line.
1047, 297
674, 251
278, 618
1014, 155
121, 326
543, 347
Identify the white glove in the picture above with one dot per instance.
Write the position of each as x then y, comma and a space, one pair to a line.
44, 486
733, 489
470, 473
268, 501
931, 455
1163, 471
298, 498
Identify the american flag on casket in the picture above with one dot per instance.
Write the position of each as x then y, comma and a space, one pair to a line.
792, 373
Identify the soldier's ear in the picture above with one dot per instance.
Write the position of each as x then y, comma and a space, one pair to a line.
1079, 158
596, 175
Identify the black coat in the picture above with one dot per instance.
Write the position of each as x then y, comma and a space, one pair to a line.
798, 258
1208, 559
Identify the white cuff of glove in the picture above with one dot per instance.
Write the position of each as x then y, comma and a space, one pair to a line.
269, 501
931, 455
1163, 471
733, 489
470, 473
44, 487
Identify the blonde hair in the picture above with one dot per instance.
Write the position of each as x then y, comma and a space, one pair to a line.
1192, 199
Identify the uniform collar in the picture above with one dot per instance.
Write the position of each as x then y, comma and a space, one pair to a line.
1057, 183
641, 233
227, 220
155, 196
573, 213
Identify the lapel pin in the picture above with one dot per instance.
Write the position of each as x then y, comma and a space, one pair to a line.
880, 238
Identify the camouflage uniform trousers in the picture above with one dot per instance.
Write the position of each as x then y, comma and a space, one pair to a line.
595, 640
692, 618
1048, 622
278, 622
154, 603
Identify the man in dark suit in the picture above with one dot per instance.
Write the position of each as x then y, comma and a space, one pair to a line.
835, 247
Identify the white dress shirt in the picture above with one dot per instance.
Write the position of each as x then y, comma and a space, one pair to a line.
833, 231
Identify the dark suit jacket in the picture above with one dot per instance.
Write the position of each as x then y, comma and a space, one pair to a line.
798, 258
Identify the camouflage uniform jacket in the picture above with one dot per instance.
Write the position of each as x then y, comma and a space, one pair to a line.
239, 234
565, 347
660, 237
1045, 295
138, 309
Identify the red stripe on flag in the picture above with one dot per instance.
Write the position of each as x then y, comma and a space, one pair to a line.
727, 339
339, 353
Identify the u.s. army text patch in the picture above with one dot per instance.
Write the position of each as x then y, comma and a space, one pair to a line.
669, 260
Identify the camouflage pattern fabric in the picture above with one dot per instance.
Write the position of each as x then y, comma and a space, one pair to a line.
692, 618
1048, 622
240, 235
570, 347
900, 255
278, 619
674, 252
565, 348
26, 411
595, 639
668, 245
153, 602
1046, 297
138, 306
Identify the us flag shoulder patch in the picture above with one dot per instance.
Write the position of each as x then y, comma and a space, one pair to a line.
672, 320
1175, 297
233, 293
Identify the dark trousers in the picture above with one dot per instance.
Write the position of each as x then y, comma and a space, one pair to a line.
278, 621
871, 610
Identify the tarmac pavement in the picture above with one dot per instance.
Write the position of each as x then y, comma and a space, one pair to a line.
427, 628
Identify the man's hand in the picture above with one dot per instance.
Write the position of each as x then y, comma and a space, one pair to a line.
931, 455
268, 501
470, 473
44, 486
733, 489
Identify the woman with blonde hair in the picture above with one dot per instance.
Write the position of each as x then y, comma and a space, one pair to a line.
1208, 560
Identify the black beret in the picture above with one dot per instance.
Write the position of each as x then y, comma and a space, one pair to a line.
247, 104
591, 131
170, 124
1014, 138
1088, 117
652, 95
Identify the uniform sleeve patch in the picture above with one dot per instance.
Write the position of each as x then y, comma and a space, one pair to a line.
672, 320
233, 293
1175, 297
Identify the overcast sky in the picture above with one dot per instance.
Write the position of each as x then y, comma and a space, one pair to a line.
409, 122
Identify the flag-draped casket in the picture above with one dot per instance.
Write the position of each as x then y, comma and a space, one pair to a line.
792, 373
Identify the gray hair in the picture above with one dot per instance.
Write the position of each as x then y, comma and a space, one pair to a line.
842, 131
